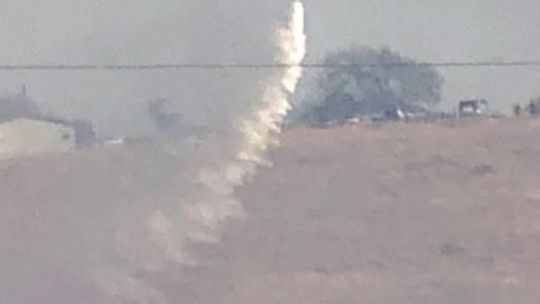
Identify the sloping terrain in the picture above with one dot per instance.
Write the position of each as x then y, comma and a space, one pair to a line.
398, 214
401, 213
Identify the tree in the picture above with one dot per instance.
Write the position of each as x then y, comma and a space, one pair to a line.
366, 81
18, 106
161, 116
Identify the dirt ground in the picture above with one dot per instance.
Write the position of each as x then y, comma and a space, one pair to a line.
401, 213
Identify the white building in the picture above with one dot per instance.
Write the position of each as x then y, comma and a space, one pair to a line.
28, 137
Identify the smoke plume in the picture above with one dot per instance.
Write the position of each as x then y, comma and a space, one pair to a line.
204, 211
258, 131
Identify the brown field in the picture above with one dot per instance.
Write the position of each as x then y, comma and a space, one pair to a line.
401, 213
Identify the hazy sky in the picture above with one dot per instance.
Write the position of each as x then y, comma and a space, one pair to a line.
435, 30
139, 31
132, 31
461, 30
144, 31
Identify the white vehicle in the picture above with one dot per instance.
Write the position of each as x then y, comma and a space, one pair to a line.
473, 107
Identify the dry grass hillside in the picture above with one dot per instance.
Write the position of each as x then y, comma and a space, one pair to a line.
401, 213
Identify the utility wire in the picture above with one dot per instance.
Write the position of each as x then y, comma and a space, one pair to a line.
219, 66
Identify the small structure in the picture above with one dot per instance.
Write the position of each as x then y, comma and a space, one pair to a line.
28, 137
516, 109
533, 108
473, 106
85, 135
394, 114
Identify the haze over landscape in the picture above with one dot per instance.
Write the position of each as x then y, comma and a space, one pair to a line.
90, 31
174, 187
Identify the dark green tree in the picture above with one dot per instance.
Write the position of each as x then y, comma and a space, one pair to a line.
366, 81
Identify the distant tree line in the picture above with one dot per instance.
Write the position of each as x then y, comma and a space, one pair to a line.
367, 81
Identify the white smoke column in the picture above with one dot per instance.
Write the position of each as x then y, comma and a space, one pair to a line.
258, 132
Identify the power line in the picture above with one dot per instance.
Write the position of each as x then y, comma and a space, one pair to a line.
218, 66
